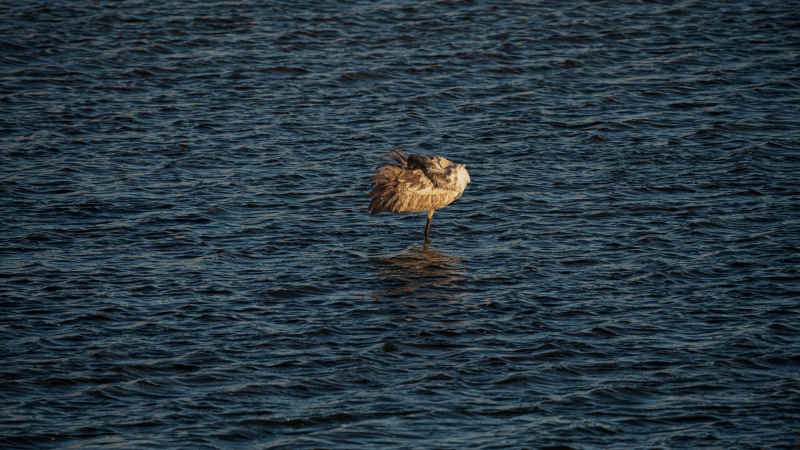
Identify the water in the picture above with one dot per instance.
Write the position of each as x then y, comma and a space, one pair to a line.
188, 261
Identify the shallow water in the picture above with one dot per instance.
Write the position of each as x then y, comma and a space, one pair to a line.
187, 260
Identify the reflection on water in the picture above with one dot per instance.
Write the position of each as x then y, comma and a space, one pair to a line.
419, 272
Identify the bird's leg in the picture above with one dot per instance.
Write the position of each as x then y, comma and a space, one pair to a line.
428, 226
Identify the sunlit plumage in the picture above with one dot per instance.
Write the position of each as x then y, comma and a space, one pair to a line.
413, 183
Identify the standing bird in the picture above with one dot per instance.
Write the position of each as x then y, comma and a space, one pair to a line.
414, 183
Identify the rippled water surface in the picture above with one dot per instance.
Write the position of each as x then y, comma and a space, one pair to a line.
187, 259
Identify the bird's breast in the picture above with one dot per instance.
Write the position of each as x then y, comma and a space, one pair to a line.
463, 177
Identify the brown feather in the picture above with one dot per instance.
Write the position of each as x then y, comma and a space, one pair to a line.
413, 183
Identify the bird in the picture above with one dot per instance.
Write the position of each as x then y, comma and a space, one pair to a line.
415, 183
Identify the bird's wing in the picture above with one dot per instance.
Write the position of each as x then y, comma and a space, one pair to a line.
416, 181
428, 190
439, 178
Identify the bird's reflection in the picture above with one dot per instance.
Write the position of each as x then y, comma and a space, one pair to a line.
419, 272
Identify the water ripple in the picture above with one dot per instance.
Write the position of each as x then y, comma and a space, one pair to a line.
187, 260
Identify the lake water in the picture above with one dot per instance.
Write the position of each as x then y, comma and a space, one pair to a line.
187, 259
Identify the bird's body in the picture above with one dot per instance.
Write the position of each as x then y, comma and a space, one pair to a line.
414, 183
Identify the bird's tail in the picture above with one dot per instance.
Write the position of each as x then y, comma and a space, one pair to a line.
384, 193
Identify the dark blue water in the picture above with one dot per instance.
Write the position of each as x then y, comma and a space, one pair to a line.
187, 260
